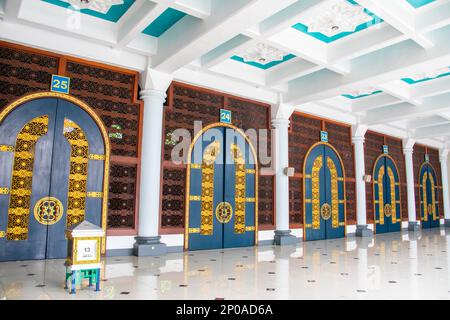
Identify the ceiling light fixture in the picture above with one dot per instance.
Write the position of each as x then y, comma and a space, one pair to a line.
263, 54
336, 17
102, 6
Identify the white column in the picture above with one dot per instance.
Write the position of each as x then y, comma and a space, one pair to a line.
360, 171
443, 157
281, 155
413, 225
148, 240
149, 201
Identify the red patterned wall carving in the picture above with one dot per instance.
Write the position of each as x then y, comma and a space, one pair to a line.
186, 104
110, 91
305, 132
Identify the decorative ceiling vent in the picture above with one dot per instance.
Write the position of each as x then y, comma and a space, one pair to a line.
263, 54
333, 18
430, 75
102, 6
363, 92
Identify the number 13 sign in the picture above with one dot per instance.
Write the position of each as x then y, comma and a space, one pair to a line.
60, 84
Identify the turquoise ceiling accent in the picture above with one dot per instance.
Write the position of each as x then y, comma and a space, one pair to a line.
419, 3
164, 22
267, 65
349, 96
412, 81
114, 14
324, 38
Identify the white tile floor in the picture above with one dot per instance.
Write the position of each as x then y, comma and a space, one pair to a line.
391, 266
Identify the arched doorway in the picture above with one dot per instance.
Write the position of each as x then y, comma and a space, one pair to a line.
429, 206
54, 160
221, 190
386, 195
324, 193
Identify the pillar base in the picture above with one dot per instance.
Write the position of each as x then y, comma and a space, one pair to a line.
413, 226
363, 231
284, 238
149, 247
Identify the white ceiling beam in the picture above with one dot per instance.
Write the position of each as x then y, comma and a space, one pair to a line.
438, 17
306, 47
62, 44
361, 43
382, 66
64, 21
234, 46
374, 102
407, 111
142, 15
430, 88
426, 122
432, 132
11, 9
390, 12
228, 19
200, 9
398, 90
289, 71
257, 33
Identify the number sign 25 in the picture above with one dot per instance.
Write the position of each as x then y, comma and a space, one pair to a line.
60, 84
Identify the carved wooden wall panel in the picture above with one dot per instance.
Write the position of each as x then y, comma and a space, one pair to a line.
373, 149
418, 160
110, 92
304, 133
186, 104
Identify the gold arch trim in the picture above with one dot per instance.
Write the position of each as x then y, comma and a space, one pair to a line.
317, 166
240, 189
393, 197
344, 224
334, 193
191, 165
103, 131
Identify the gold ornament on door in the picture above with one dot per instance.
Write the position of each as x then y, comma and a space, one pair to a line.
325, 211
224, 212
48, 211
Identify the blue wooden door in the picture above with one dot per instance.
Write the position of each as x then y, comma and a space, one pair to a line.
428, 197
387, 206
38, 168
222, 194
324, 194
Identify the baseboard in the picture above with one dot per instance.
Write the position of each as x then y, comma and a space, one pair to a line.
119, 252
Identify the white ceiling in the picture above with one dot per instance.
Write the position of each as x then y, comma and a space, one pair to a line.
198, 48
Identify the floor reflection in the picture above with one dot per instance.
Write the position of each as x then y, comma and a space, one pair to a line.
389, 266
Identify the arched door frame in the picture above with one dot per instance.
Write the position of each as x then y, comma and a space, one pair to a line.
188, 177
436, 186
373, 188
304, 184
42, 95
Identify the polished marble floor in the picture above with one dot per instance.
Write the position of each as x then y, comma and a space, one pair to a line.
389, 266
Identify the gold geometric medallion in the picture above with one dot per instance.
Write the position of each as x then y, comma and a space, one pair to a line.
325, 211
388, 210
224, 212
48, 211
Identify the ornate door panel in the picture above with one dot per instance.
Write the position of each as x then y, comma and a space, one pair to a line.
387, 196
222, 192
324, 192
26, 139
240, 175
429, 207
52, 165
77, 173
